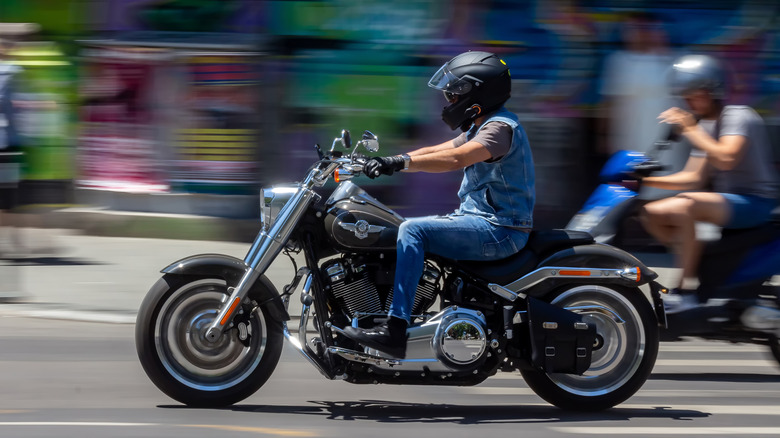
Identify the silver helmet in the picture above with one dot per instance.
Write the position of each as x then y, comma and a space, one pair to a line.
697, 72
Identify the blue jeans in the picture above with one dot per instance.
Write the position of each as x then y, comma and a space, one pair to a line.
460, 237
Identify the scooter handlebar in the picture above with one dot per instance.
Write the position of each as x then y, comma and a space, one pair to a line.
647, 168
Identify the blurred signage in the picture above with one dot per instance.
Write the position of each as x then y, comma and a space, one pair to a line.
117, 148
178, 15
215, 140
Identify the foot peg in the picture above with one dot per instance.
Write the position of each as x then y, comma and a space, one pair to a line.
338, 330
357, 356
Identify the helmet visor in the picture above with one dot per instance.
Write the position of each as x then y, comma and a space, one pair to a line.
444, 80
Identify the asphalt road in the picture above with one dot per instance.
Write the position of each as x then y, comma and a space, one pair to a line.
71, 378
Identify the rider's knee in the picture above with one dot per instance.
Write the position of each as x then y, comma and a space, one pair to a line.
410, 229
649, 213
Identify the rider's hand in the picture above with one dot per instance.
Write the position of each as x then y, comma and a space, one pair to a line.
677, 116
383, 166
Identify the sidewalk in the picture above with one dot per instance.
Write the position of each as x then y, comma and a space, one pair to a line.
97, 278
104, 279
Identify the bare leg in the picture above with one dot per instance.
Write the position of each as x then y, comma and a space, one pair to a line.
673, 222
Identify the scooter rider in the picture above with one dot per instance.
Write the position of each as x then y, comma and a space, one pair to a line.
731, 154
496, 195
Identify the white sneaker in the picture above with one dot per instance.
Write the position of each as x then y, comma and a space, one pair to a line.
676, 302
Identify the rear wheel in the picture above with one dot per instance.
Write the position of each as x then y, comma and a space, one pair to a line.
623, 356
177, 357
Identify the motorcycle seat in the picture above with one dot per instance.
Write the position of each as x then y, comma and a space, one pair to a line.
545, 241
507, 270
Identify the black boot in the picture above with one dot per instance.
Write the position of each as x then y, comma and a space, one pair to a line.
389, 337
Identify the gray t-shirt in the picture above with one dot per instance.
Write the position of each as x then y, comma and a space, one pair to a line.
495, 136
755, 174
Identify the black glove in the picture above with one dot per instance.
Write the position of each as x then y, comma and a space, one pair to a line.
383, 166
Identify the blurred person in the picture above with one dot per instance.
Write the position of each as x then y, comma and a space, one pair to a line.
731, 154
634, 88
10, 147
496, 194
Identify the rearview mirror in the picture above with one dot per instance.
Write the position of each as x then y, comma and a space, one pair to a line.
346, 139
370, 141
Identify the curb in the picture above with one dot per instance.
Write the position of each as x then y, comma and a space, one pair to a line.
48, 311
113, 223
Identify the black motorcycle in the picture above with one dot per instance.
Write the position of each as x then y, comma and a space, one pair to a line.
567, 312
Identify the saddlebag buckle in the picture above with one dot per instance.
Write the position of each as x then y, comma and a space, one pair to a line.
561, 342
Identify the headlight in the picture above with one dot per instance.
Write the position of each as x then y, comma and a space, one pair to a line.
272, 199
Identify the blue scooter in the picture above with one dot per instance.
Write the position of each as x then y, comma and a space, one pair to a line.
741, 301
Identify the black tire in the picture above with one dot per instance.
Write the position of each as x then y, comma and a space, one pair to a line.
171, 345
623, 361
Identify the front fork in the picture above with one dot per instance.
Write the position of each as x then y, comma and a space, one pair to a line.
266, 247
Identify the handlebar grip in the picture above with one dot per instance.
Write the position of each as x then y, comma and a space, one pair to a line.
646, 169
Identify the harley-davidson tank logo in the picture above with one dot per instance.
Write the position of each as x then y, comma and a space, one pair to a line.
361, 228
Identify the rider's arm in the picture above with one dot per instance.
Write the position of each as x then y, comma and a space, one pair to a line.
724, 153
491, 143
447, 159
692, 177
431, 149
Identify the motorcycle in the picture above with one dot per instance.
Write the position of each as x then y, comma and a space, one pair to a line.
742, 299
567, 312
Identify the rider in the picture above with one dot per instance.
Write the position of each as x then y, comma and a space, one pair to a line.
731, 155
496, 195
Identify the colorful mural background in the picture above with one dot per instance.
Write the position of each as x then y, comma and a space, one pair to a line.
320, 66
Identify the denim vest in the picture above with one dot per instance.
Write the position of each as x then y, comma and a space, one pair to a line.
501, 191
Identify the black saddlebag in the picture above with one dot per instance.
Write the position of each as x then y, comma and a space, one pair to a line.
561, 341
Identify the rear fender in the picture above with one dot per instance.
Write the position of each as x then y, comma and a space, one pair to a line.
599, 255
231, 270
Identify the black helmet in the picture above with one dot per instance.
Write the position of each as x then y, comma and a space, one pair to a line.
475, 83
697, 72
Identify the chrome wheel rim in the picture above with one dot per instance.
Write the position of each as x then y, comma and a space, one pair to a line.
181, 344
621, 346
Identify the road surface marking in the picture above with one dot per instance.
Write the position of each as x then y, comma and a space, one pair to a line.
264, 430
736, 363
74, 423
649, 393
714, 348
687, 430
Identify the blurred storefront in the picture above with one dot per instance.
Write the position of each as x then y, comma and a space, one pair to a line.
164, 115
45, 117
219, 97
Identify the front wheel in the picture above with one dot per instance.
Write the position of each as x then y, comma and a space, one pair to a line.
623, 355
173, 349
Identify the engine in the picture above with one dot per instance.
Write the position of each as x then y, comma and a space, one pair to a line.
363, 287
455, 339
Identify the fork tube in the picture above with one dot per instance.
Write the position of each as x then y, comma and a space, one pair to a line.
268, 245
264, 251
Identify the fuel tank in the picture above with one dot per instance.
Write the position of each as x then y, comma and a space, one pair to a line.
357, 221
